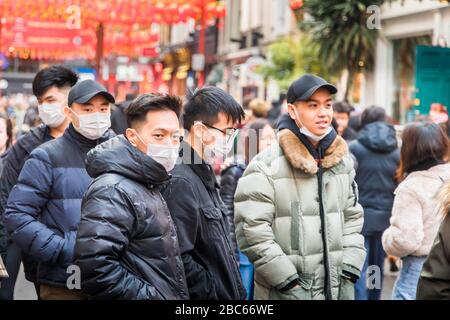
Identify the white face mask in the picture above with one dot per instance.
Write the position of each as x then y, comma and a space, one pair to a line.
93, 125
51, 114
165, 154
220, 149
308, 133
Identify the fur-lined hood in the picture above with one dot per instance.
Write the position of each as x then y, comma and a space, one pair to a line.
300, 158
444, 198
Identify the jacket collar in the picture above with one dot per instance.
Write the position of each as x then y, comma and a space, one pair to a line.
73, 135
117, 155
203, 170
317, 152
300, 157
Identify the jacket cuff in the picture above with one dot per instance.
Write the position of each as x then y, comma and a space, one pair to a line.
287, 281
346, 268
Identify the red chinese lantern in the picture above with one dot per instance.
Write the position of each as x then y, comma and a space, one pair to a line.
296, 4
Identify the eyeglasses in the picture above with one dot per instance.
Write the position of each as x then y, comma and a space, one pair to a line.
229, 133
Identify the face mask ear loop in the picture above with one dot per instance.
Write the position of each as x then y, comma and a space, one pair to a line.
139, 137
298, 118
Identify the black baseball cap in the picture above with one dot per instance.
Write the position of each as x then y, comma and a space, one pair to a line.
304, 87
85, 90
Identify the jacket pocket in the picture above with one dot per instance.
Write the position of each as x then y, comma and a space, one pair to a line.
346, 290
211, 227
302, 292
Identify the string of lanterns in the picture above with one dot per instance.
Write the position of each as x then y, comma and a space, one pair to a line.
124, 11
127, 23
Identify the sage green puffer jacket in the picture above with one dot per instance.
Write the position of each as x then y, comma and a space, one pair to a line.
278, 224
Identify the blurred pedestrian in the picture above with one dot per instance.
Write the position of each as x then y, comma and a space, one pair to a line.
43, 209
297, 213
259, 108
434, 281
6, 140
438, 113
341, 114
210, 119
127, 247
278, 108
51, 87
415, 217
259, 137
355, 122
6, 134
31, 118
378, 156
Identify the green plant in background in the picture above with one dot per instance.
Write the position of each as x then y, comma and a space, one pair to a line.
291, 57
339, 29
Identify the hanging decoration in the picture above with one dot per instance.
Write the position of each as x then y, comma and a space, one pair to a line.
65, 29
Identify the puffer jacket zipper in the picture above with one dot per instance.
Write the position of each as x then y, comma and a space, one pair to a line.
327, 281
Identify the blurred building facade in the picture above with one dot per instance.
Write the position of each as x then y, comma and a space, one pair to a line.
405, 25
250, 27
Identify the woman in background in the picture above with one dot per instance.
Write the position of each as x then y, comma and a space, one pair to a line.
415, 217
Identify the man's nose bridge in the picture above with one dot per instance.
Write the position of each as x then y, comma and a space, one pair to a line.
322, 111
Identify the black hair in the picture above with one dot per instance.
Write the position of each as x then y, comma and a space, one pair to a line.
205, 105
372, 114
58, 76
130, 96
422, 141
137, 111
342, 107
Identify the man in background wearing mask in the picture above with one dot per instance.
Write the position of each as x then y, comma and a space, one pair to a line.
296, 207
212, 272
51, 87
43, 209
127, 247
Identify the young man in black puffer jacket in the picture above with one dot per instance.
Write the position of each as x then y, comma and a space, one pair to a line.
127, 247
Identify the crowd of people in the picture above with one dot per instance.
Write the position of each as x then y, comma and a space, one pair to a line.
163, 197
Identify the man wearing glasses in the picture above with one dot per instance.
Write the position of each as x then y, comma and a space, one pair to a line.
212, 272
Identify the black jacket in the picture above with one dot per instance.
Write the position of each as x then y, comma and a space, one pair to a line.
228, 184
13, 161
193, 198
378, 157
43, 209
349, 134
434, 281
127, 247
